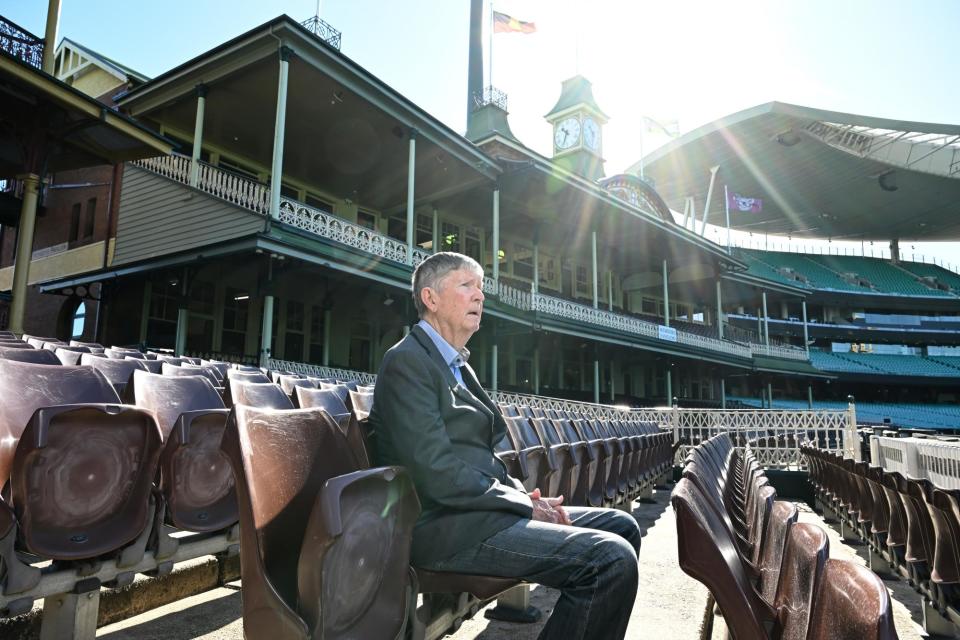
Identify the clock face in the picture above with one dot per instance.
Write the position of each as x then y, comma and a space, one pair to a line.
591, 134
567, 133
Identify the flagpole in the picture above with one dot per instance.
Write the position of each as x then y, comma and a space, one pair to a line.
490, 49
726, 206
643, 124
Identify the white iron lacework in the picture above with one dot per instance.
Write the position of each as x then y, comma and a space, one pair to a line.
255, 196
935, 460
773, 435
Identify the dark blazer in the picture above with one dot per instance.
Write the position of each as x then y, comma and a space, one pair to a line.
443, 432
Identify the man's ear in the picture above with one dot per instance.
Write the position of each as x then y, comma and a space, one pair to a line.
427, 298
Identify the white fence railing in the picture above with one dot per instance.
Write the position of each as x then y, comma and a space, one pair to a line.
777, 351
318, 371
774, 435
936, 460
255, 196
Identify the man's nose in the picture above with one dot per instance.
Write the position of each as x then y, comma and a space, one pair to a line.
479, 296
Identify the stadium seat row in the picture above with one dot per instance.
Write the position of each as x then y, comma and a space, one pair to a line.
770, 576
913, 525
107, 452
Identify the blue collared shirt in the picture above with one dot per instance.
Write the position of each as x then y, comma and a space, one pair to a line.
454, 359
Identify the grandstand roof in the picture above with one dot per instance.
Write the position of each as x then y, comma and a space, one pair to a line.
821, 174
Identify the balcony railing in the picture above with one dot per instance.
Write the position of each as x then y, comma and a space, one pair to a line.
777, 351
20, 43
324, 31
255, 196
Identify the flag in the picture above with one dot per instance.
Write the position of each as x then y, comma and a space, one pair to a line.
667, 126
502, 23
736, 202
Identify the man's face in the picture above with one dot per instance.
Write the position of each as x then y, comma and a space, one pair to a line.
458, 304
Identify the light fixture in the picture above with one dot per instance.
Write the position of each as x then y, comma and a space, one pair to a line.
388, 300
243, 297
787, 138
337, 96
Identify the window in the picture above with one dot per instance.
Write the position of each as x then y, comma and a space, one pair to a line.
75, 222
201, 298
471, 244
162, 319
523, 262
449, 236
79, 320
318, 203
367, 220
548, 271
424, 235
236, 304
289, 191
360, 345
293, 340
89, 218
397, 228
583, 284
316, 334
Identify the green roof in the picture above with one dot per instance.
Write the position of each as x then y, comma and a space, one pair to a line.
576, 91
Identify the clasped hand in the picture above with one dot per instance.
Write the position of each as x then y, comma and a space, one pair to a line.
548, 509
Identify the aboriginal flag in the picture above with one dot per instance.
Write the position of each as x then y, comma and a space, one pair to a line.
502, 23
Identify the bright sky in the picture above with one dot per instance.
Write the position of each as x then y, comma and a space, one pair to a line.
682, 60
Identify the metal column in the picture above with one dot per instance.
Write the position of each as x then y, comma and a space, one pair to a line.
327, 318
21, 265
496, 235
766, 322
435, 239
198, 135
806, 336
266, 332
723, 393
276, 171
719, 312
666, 296
593, 265
596, 381
411, 180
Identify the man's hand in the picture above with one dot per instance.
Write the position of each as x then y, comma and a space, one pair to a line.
548, 509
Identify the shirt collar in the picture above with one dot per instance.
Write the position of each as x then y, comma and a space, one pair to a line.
450, 355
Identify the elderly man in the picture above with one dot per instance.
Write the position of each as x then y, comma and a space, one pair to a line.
431, 415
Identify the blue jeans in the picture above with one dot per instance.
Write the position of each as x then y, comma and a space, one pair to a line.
593, 563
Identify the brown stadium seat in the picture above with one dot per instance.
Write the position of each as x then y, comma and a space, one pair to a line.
329, 401
67, 445
708, 554
15, 344
805, 553
70, 355
37, 342
36, 356
195, 476
265, 395
308, 519
563, 453
247, 376
897, 529
118, 372
944, 560
119, 353
587, 491
948, 502
783, 516
189, 369
542, 470
7, 334
153, 366
919, 552
851, 603
289, 385
88, 345
604, 484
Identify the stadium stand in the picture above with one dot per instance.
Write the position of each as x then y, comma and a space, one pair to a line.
939, 274
887, 364
881, 275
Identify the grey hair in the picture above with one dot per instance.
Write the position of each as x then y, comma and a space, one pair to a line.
431, 272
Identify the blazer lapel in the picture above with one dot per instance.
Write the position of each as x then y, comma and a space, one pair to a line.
460, 390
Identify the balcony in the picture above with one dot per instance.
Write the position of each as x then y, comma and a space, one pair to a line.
255, 197
20, 43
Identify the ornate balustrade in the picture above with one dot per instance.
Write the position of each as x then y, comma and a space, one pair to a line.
935, 460
20, 43
774, 435
318, 371
255, 196
777, 351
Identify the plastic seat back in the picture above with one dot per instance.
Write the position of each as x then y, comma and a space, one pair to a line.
708, 554
783, 516
70, 355
195, 475
118, 372
289, 385
265, 395
805, 553
310, 398
309, 520
851, 603
36, 356
80, 465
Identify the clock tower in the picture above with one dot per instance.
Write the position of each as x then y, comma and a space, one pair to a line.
577, 134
